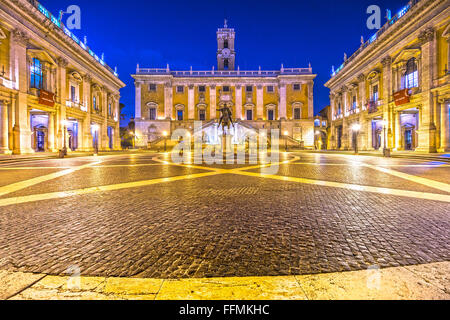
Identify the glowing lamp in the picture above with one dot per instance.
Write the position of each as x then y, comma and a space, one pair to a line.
356, 127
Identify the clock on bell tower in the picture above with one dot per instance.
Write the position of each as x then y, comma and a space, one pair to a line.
225, 48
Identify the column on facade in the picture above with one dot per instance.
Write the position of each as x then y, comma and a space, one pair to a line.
104, 130
137, 106
398, 131
427, 129
238, 102
116, 141
51, 132
386, 62
445, 129
87, 101
168, 91
191, 102
345, 134
282, 107
332, 138
212, 102
62, 91
369, 134
362, 134
362, 91
21, 129
310, 99
4, 136
259, 102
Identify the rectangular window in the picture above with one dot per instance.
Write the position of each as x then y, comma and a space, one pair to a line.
94, 102
226, 89
225, 43
202, 115
36, 75
152, 87
201, 88
296, 86
248, 88
249, 114
354, 102
375, 93
225, 64
152, 113
73, 94
180, 89
270, 115
412, 80
297, 113
180, 115
110, 109
270, 89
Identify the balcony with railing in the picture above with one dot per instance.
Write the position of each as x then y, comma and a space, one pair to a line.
372, 105
224, 73
76, 105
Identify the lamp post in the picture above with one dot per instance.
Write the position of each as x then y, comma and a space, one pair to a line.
285, 140
64, 124
165, 140
355, 128
386, 151
95, 127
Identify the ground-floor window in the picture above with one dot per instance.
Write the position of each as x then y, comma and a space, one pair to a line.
202, 115
152, 114
249, 114
180, 115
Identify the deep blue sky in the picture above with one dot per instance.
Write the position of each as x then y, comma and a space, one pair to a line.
183, 34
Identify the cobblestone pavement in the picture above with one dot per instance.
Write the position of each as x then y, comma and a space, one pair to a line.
153, 219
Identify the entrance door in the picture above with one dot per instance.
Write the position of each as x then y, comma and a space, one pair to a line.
40, 140
110, 137
408, 139
339, 137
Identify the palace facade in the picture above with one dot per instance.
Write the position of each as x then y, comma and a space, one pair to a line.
55, 92
394, 91
281, 99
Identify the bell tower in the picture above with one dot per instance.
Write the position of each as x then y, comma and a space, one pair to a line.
225, 48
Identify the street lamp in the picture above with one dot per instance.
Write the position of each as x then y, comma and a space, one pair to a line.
95, 127
355, 128
64, 124
285, 140
165, 140
386, 151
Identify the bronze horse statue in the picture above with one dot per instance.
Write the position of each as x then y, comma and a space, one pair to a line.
226, 117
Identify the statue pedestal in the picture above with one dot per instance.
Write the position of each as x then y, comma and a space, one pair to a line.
227, 147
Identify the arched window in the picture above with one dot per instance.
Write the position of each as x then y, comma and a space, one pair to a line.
411, 75
36, 75
225, 43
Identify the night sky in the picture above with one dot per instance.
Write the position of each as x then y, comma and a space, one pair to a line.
183, 34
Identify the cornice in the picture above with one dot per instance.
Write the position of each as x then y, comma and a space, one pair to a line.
76, 53
385, 38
